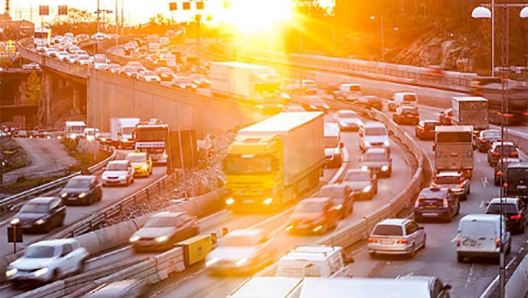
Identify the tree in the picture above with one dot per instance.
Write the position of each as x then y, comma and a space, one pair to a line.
33, 89
77, 20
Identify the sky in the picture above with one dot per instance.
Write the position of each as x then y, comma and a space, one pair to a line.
135, 11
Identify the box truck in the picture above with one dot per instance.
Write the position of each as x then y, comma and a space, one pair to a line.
249, 83
274, 161
121, 130
470, 110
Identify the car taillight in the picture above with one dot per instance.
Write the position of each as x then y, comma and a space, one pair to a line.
417, 204
514, 153
445, 203
372, 240
458, 241
462, 184
483, 141
497, 242
402, 241
495, 153
499, 173
518, 216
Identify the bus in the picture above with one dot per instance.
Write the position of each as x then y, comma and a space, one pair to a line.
151, 137
42, 37
454, 149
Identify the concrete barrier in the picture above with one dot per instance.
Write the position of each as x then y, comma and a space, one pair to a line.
517, 286
90, 241
115, 235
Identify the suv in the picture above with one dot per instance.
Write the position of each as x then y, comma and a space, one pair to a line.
402, 98
377, 161
436, 202
455, 181
425, 129
513, 208
333, 145
517, 180
498, 148
373, 134
362, 183
406, 115
501, 167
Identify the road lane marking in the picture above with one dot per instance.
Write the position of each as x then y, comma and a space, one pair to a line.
468, 280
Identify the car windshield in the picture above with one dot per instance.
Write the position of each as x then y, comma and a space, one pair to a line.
429, 125
240, 240
506, 149
116, 167
78, 183
516, 174
496, 208
40, 252
357, 176
388, 230
163, 221
374, 156
309, 207
447, 180
34, 208
409, 111
136, 158
491, 134
375, 131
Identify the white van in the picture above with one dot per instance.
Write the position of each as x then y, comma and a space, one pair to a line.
74, 129
402, 99
333, 145
373, 134
314, 261
479, 235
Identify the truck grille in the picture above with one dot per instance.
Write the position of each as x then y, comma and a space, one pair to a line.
246, 188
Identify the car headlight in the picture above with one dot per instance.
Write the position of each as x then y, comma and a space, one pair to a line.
40, 221
364, 167
148, 79
145, 167
326, 107
211, 262
165, 155
123, 176
385, 168
386, 143
64, 194
41, 272
103, 139
313, 107
367, 188
162, 238
267, 201
11, 272
339, 206
134, 238
230, 201
124, 139
82, 195
367, 144
241, 262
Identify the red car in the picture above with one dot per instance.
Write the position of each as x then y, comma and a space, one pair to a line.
425, 129
313, 215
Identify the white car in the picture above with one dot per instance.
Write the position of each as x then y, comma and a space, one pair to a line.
242, 251
63, 56
83, 60
118, 172
149, 76
47, 261
114, 68
51, 52
396, 236
73, 58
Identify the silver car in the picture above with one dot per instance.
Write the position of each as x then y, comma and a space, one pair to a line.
396, 236
378, 161
455, 181
118, 172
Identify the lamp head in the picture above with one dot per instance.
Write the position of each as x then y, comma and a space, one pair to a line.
524, 12
482, 13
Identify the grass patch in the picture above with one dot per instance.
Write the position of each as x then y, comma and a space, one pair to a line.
23, 184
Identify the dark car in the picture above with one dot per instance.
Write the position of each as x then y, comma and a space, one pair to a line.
313, 215
370, 102
514, 210
41, 214
436, 202
377, 161
84, 189
517, 180
341, 195
363, 184
163, 230
310, 102
445, 117
406, 115
501, 167
425, 129
486, 138
499, 150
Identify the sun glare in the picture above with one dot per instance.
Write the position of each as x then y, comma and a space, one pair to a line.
258, 15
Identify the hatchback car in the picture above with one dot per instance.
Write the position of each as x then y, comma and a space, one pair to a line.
341, 196
454, 181
396, 236
141, 162
348, 120
313, 215
425, 129
118, 172
40, 214
377, 161
163, 230
84, 189
436, 202
406, 115
514, 210
486, 138
363, 184
499, 150
370, 102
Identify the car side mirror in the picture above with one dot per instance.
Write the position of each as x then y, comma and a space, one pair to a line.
434, 147
341, 145
447, 287
421, 228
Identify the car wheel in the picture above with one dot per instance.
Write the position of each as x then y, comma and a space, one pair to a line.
48, 227
469, 191
418, 218
497, 181
458, 209
522, 229
61, 222
508, 251
424, 241
413, 252
372, 254
460, 258
56, 275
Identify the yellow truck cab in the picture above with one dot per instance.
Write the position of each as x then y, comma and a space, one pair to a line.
141, 162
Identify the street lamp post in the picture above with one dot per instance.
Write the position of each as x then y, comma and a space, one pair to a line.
483, 11
382, 37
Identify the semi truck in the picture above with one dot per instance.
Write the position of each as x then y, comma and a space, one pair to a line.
470, 110
151, 137
454, 149
121, 130
249, 83
274, 161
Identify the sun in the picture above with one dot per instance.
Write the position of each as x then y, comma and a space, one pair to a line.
252, 16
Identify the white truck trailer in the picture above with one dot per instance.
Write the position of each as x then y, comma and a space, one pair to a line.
121, 130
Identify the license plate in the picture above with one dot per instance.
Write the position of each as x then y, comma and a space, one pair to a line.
521, 186
430, 206
430, 214
72, 199
386, 241
249, 201
410, 116
469, 242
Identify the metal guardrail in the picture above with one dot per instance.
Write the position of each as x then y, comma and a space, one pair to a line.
7, 203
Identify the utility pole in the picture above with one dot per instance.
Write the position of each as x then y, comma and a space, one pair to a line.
98, 13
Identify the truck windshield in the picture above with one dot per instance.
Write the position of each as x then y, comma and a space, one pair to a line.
454, 137
517, 174
238, 165
128, 130
375, 131
145, 134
